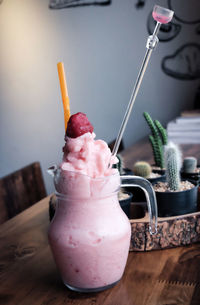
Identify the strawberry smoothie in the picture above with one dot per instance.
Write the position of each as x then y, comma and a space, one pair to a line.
90, 234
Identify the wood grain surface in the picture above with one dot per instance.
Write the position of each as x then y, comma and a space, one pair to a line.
28, 275
172, 232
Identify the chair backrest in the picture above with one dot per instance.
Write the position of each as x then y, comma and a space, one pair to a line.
20, 190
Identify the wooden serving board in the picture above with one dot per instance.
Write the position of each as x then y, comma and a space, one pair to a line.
172, 232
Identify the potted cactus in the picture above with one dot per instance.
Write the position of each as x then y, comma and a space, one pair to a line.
158, 139
120, 164
121, 167
144, 169
190, 169
175, 196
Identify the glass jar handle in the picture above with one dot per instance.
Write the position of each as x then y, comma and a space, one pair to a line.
145, 185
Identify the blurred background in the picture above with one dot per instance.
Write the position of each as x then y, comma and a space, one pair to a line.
102, 48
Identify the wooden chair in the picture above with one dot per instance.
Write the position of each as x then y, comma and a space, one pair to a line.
20, 189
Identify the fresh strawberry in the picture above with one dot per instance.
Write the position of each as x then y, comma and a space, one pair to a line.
78, 124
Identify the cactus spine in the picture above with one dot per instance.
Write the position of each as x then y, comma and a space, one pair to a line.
142, 169
189, 165
172, 156
158, 139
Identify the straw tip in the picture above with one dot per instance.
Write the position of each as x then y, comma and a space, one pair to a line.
59, 63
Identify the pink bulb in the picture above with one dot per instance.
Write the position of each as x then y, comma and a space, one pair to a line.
162, 15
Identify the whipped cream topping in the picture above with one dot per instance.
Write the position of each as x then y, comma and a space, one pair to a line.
88, 156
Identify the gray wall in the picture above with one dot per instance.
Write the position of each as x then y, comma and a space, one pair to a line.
102, 49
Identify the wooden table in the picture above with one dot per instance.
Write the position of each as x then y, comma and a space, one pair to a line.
28, 275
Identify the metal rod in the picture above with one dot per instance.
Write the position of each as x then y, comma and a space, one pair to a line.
152, 41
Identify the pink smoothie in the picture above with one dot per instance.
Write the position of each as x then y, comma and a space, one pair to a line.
90, 234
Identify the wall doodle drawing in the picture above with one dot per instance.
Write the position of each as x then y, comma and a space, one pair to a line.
140, 3
184, 64
58, 4
184, 10
198, 30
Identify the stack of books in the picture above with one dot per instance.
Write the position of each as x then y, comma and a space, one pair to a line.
185, 129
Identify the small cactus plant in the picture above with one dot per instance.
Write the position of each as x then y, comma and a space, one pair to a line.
189, 165
172, 155
120, 164
158, 139
142, 169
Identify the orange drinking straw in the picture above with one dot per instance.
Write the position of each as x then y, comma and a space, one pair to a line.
64, 92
